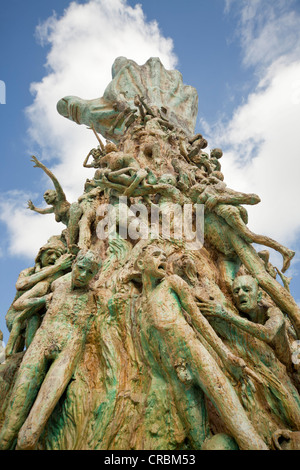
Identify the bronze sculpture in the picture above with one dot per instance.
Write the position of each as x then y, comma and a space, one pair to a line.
168, 347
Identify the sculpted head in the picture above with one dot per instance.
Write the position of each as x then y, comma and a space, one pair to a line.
85, 268
110, 147
152, 262
245, 293
50, 196
49, 253
167, 178
216, 153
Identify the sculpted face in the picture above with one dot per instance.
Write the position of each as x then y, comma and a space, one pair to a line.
245, 293
50, 196
49, 257
154, 262
83, 272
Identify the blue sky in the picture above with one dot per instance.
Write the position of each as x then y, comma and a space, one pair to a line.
242, 56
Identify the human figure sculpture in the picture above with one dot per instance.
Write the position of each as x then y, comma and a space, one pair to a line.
58, 343
68, 214
164, 300
88, 203
265, 322
186, 177
50, 263
226, 203
233, 244
96, 154
143, 357
119, 164
260, 319
215, 156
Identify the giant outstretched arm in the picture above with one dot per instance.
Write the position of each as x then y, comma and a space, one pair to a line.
60, 193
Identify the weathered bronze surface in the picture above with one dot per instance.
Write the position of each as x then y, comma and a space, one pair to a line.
147, 342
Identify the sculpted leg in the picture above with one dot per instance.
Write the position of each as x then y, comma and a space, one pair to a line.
73, 223
207, 374
30, 377
232, 216
33, 325
85, 224
55, 382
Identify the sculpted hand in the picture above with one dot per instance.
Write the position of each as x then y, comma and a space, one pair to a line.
37, 163
239, 370
211, 202
65, 261
211, 309
30, 205
236, 366
255, 199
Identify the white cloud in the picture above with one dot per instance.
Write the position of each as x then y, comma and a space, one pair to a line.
261, 141
27, 231
84, 43
267, 29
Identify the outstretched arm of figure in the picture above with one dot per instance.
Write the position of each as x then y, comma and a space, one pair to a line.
60, 193
230, 196
31, 206
25, 302
265, 332
121, 171
27, 282
86, 164
211, 198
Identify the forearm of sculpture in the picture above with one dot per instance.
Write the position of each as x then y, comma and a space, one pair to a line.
48, 210
108, 184
27, 282
199, 321
151, 189
145, 190
59, 190
265, 332
235, 198
120, 176
85, 163
28, 303
121, 171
